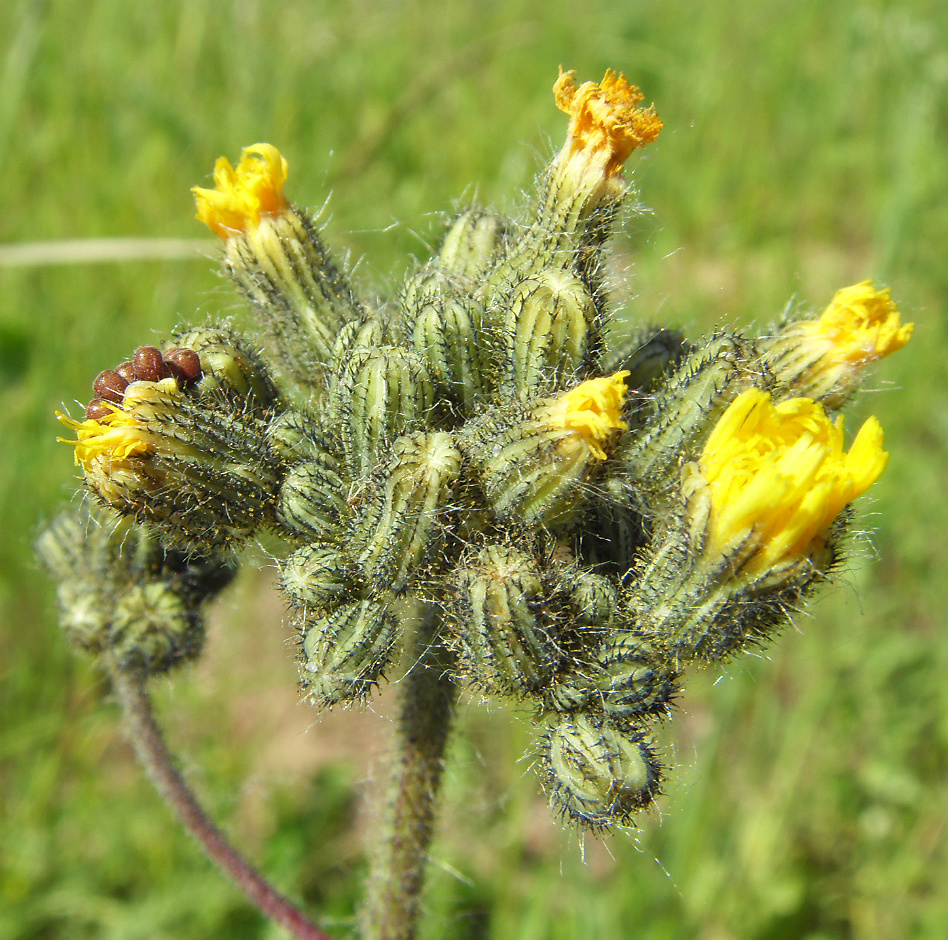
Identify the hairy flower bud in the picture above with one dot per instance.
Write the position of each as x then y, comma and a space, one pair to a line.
345, 650
599, 773
685, 409
536, 462
447, 331
548, 324
276, 258
382, 393
197, 469
121, 593
636, 680
502, 623
405, 501
470, 243
312, 501
317, 576
230, 368
825, 358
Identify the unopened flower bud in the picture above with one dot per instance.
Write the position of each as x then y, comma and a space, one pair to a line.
312, 499
636, 679
447, 330
599, 773
549, 321
381, 394
317, 576
502, 623
470, 243
401, 520
686, 408
121, 593
229, 367
345, 651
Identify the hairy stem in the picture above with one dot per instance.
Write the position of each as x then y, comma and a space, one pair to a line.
396, 878
152, 753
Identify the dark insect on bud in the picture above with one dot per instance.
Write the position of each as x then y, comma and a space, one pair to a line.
109, 386
148, 363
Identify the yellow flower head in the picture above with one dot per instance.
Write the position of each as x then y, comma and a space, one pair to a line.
605, 121
779, 473
592, 411
117, 438
244, 195
860, 325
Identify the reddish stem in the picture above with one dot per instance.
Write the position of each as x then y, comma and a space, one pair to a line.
153, 754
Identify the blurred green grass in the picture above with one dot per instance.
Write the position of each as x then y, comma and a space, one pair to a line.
805, 148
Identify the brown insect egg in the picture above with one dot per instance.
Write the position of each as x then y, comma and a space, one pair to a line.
97, 409
109, 385
127, 371
148, 363
187, 361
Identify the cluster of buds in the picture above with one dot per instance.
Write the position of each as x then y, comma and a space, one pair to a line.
590, 516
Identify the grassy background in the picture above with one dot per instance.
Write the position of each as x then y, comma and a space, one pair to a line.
805, 148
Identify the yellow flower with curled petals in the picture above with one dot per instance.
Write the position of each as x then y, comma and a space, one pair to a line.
777, 475
605, 120
592, 411
244, 194
860, 325
824, 357
117, 437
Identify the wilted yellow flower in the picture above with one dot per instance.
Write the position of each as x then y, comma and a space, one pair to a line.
778, 475
245, 194
592, 410
605, 126
605, 120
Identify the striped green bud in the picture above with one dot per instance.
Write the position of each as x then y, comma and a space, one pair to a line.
382, 393
593, 597
470, 243
345, 650
401, 521
535, 462
229, 367
447, 331
684, 411
299, 292
366, 332
295, 435
636, 680
312, 499
501, 622
599, 773
317, 576
120, 592
548, 323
